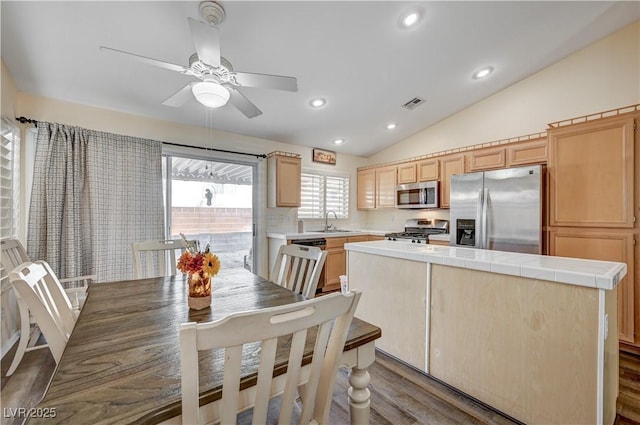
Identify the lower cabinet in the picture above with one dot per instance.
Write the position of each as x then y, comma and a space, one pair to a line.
432, 242
336, 261
606, 245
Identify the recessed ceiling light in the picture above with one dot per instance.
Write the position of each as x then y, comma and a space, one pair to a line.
482, 72
410, 18
318, 102
338, 141
391, 126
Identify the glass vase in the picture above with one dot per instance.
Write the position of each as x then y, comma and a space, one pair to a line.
199, 291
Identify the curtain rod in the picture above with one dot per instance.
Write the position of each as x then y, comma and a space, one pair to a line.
257, 155
24, 120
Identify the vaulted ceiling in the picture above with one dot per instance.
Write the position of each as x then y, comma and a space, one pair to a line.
354, 54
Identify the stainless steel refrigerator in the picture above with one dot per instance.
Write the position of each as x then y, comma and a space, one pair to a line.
499, 210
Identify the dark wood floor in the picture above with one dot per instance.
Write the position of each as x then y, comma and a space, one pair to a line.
399, 394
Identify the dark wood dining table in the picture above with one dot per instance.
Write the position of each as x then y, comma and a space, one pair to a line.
121, 364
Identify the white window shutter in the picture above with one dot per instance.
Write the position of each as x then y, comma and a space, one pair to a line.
322, 192
9, 179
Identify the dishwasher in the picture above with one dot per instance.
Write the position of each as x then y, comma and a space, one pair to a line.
320, 243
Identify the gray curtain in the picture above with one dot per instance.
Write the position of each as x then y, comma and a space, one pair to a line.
94, 194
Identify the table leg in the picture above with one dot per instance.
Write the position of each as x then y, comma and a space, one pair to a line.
359, 360
359, 396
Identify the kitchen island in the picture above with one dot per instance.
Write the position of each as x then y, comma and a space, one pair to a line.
533, 336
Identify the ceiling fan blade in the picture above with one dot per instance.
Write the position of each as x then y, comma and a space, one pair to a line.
265, 81
245, 106
206, 38
148, 61
180, 97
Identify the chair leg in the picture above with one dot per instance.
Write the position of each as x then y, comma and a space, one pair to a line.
25, 327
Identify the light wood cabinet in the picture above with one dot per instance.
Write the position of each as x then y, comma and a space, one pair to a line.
594, 194
591, 175
376, 238
530, 152
377, 188
386, 187
605, 245
336, 261
284, 180
407, 173
451, 164
428, 169
432, 242
367, 189
486, 159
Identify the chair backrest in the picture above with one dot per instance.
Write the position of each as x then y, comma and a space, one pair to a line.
298, 268
330, 316
13, 254
37, 286
156, 258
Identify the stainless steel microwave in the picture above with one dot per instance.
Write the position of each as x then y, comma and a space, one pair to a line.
417, 195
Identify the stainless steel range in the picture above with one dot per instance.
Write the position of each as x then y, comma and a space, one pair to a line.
417, 230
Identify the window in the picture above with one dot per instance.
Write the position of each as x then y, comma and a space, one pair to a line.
9, 180
322, 192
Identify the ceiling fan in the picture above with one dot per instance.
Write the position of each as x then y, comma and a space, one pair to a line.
218, 79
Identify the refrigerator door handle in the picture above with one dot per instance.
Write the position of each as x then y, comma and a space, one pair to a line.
479, 220
485, 222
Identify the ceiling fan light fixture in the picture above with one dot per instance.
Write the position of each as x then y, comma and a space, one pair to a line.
210, 94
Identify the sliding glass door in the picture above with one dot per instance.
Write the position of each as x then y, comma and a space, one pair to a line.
212, 201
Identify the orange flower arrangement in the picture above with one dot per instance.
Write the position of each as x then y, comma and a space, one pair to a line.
200, 266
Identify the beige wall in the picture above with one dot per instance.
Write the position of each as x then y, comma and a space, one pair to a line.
603, 76
280, 219
9, 91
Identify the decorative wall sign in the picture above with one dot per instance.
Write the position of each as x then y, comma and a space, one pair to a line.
326, 157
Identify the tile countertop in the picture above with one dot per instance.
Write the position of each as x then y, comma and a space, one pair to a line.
317, 234
575, 271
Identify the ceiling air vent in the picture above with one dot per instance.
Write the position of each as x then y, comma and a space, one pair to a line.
416, 101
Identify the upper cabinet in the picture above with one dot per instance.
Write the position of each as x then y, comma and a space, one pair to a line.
367, 189
284, 180
451, 164
591, 173
386, 187
407, 173
419, 171
428, 169
526, 153
377, 188
486, 159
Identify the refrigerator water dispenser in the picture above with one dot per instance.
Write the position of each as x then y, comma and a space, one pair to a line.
466, 232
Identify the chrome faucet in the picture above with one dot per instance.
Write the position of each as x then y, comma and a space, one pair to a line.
328, 226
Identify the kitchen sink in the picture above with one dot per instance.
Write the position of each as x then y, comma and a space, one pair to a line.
335, 231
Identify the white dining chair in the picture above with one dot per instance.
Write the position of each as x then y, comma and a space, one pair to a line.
14, 254
38, 287
298, 268
156, 258
330, 316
